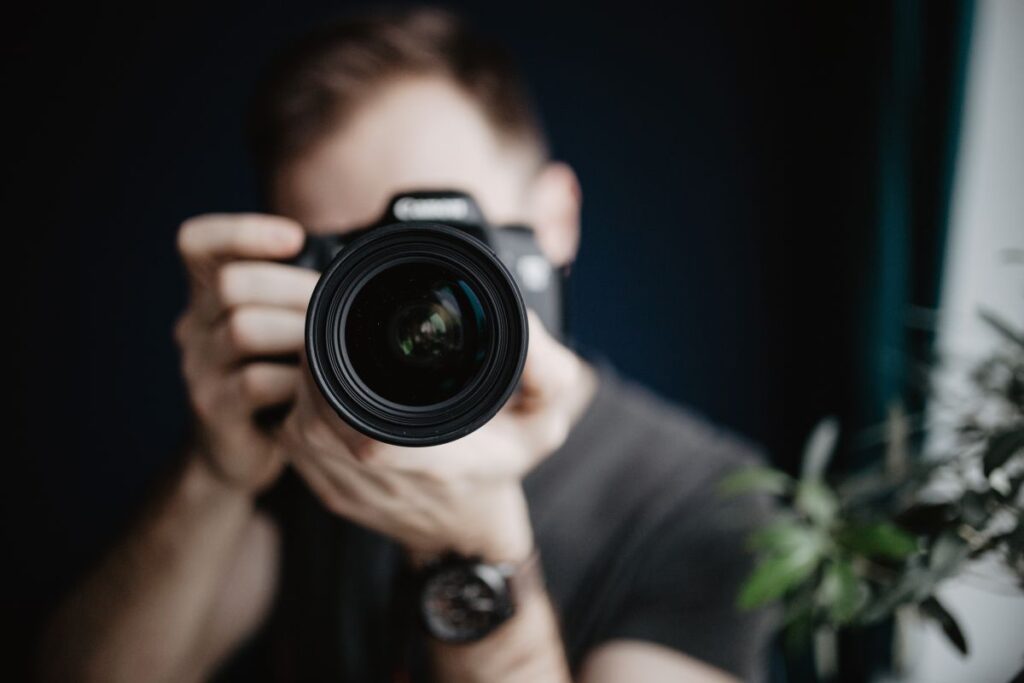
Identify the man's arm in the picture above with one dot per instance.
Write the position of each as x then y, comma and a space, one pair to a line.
197, 572
161, 606
528, 648
635, 660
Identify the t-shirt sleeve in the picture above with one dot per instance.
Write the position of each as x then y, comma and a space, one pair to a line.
685, 576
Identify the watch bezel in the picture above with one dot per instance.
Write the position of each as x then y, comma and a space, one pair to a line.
493, 577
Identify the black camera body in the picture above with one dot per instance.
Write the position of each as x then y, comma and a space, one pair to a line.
416, 333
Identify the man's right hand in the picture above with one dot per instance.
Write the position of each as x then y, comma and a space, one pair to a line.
244, 310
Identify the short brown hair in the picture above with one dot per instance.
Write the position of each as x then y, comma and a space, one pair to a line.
314, 85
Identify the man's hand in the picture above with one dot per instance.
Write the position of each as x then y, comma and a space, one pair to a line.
243, 310
464, 496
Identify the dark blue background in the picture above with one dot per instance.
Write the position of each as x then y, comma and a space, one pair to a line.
727, 160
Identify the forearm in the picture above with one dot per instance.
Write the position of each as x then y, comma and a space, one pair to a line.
139, 615
527, 648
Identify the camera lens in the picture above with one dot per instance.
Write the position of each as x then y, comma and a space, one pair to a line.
416, 334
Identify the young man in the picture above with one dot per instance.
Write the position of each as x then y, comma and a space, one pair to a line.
593, 501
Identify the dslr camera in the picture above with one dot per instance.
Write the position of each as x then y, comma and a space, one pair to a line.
416, 333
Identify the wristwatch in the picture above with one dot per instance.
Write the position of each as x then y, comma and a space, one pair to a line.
462, 600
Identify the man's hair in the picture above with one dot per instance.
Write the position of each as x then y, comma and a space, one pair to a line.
313, 86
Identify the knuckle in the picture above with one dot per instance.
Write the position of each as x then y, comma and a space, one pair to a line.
227, 284
291, 431
336, 505
239, 330
317, 433
366, 450
253, 383
435, 476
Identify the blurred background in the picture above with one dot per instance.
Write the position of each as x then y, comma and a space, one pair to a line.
777, 198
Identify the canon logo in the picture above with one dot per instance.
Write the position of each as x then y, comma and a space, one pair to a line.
432, 209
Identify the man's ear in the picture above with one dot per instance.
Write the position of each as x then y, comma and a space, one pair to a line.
554, 212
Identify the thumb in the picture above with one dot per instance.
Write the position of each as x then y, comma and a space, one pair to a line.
550, 367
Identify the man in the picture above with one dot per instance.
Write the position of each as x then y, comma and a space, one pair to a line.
300, 545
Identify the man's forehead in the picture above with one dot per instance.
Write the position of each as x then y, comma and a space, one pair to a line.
412, 134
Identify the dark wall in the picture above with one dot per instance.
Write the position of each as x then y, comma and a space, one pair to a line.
726, 155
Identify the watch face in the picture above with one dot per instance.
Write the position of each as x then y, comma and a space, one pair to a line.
462, 602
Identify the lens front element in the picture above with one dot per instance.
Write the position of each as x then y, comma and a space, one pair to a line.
416, 333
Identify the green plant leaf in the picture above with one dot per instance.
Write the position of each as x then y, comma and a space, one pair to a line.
791, 552
788, 536
799, 604
774, 576
821, 444
756, 478
1015, 550
946, 555
798, 634
1001, 447
934, 610
974, 509
1002, 327
875, 493
1013, 486
1012, 542
816, 500
878, 539
891, 595
840, 591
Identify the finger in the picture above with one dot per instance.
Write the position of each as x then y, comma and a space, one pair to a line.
248, 283
549, 365
261, 385
338, 500
257, 331
346, 472
340, 450
330, 468
451, 461
358, 444
214, 237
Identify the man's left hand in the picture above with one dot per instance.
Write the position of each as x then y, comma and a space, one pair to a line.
464, 496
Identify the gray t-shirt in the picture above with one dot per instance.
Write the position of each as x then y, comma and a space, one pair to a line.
634, 538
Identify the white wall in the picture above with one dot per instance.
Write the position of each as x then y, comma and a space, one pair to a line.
987, 219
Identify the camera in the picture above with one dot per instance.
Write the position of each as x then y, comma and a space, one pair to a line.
416, 333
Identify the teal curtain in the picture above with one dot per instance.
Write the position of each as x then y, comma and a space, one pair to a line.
919, 122
920, 100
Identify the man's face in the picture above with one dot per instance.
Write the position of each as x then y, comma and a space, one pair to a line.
413, 134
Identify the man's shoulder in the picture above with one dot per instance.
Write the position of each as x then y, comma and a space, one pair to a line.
633, 446
637, 467
636, 539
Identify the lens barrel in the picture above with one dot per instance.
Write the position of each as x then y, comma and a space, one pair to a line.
416, 334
